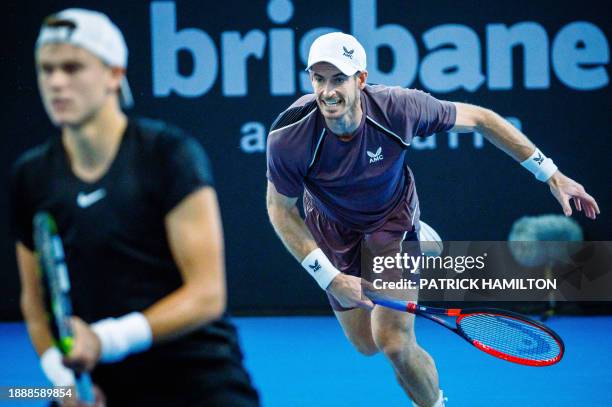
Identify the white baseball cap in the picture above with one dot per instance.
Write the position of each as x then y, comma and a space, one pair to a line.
339, 49
93, 31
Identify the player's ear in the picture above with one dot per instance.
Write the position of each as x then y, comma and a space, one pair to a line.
362, 77
117, 75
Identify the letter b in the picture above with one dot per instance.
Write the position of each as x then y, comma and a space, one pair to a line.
166, 42
393, 36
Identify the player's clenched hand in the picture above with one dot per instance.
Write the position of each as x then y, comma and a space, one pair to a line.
566, 189
86, 350
348, 291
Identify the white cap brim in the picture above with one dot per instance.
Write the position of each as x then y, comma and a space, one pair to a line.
344, 67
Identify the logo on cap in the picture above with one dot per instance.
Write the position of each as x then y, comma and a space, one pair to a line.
348, 53
62, 29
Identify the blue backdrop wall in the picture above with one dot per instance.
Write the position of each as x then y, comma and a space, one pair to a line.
224, 70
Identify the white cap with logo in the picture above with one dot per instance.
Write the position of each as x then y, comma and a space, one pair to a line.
92, 31
339, 49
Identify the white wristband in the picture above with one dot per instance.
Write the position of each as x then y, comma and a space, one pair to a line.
54, 369
540, 166
120, 337
320, 268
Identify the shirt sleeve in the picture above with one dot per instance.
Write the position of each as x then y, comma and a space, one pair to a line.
186, 168
283, 169
21, 212
429, 115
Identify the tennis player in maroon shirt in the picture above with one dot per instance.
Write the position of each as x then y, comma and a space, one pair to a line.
342, 148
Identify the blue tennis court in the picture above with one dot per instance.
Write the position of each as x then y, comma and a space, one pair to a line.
306, 361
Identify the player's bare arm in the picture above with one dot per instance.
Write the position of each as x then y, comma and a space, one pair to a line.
288, 224
31, 300
296, 237
37, 323
195, 237
509, 139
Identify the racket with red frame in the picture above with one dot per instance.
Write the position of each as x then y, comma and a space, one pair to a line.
500, 333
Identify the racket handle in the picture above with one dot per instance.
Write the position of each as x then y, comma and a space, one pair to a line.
398, 305
84, 388
404, 306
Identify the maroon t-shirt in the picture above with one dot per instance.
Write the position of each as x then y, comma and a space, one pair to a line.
357, 182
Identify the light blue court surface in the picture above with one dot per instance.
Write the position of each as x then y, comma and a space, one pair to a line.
306, 361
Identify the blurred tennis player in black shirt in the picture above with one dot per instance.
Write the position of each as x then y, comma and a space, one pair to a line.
136, 208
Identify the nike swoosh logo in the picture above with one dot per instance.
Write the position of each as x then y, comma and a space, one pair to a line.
86, 200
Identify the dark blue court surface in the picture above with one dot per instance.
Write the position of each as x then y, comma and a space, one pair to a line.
306, 361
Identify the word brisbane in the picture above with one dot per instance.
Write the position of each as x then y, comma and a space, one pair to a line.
468, 284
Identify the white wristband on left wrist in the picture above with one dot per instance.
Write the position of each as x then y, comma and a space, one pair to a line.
540, 166
122, 336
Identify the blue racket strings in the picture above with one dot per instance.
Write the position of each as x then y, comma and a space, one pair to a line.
511, 336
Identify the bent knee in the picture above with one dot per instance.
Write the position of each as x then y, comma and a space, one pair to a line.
366, 348
369, 350
395, 346
363, 344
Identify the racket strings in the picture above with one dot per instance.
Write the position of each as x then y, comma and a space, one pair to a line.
510, 336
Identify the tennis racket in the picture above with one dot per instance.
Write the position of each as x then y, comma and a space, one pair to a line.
57, 293
503, 334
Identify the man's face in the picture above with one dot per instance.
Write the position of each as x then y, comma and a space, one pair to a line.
74, 84
337, 94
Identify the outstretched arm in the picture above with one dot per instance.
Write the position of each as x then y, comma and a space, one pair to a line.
509, 139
